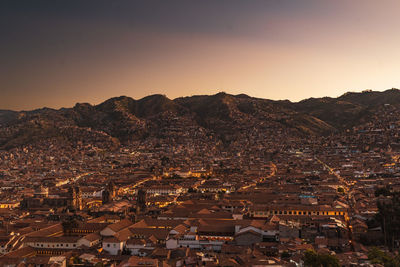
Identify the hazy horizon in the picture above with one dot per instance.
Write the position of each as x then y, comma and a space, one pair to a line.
56, 54
173, 98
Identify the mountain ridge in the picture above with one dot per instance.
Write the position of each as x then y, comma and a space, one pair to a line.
225, 115
242, 95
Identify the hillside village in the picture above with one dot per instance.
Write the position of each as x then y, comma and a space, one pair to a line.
152, 183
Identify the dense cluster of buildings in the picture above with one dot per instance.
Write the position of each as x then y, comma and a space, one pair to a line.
262, 200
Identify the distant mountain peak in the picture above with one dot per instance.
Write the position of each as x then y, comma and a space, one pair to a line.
221, 114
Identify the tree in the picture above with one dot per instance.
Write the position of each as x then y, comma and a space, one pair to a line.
311, 258
377, 256
314, 259
389, 218
385, 191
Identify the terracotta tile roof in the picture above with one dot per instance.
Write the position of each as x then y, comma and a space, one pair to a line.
116, 227
135, 261
111, 239
252, 232
136, 241
160, 234
92, 237
21, 253
53, 230
150, 223
56, 239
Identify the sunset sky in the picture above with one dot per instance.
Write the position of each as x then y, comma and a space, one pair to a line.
57, 53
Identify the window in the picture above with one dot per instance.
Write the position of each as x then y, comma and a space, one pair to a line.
108, 245
290, 212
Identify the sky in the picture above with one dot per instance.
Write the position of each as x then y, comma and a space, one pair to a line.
57, 53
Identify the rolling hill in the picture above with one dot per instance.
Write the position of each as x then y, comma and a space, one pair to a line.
125, 119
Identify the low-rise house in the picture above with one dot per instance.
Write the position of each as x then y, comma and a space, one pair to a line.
135, 261
248, 238
114, 228
90, 240
60, 242
113, 245
139, 247
164, 190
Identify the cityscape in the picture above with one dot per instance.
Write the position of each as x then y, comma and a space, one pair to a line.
232, 183
199, 133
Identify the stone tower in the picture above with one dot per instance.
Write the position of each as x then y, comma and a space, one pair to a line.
112, 189
141, 201
74, 198
109, 193
105, 196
